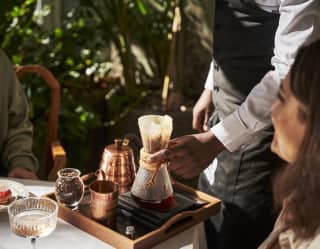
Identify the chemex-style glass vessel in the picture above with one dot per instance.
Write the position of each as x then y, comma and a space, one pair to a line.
33, 218
69, 189
152, 187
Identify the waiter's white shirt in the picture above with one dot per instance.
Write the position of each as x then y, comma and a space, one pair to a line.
299, 24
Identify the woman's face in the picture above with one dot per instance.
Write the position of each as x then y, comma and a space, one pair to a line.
289, 121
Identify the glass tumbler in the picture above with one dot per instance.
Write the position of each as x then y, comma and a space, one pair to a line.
33, 218
69, 187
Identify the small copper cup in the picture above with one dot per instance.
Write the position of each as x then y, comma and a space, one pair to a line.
104, 201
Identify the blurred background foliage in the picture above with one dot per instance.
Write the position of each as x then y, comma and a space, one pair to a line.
110, 56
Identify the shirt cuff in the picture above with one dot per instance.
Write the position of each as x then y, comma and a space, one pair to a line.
231, 133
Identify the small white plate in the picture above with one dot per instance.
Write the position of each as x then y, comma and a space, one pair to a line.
17, 189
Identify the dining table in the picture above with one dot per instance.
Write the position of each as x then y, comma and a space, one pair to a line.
68, 236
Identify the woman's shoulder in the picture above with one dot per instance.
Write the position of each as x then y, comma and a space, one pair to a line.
288, 239
315, 241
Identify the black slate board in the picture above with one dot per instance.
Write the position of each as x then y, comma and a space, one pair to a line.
154, 218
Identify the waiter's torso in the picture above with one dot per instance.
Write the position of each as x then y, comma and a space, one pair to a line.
244, 35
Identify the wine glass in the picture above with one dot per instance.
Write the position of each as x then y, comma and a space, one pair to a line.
33, 217
69, 189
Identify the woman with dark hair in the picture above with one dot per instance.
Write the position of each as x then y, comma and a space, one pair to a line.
296, 120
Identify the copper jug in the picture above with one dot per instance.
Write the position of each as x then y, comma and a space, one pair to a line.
118, 164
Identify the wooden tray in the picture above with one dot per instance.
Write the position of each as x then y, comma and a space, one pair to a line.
173, 226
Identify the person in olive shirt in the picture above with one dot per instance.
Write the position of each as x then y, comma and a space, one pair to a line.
16, 130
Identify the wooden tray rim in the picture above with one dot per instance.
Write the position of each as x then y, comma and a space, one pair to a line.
166, 231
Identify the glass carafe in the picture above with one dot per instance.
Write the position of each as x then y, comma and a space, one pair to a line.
152, 187
69, 189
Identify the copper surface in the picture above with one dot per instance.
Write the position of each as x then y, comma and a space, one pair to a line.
104, 200
118, 165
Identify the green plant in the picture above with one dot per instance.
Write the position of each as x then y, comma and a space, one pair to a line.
26, 43
107, 55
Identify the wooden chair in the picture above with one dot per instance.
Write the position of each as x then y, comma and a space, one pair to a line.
55, 155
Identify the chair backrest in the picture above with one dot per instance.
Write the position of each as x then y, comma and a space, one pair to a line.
54, 153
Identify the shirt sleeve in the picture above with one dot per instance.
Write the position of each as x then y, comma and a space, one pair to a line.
209, 81
299, 24
17, 149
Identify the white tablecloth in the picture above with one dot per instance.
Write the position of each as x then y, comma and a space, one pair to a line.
67, 236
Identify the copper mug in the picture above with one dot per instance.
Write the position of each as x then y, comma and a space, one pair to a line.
118, 164
104, 201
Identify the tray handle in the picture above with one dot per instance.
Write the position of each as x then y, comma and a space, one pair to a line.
177, 223
93, 176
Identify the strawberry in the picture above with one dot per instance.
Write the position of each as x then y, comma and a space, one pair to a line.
4, 194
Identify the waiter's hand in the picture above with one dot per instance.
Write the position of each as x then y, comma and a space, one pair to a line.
189, 155
23, 173
201, 111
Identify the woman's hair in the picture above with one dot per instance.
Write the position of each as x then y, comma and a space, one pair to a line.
299, 184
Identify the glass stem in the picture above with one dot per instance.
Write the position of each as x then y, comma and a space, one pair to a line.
33, 243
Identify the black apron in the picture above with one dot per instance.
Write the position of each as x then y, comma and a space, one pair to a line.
243, 46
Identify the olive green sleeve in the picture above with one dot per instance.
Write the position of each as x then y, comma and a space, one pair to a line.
17, 143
